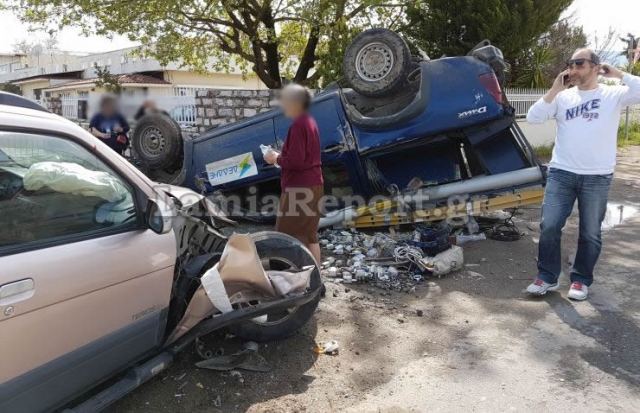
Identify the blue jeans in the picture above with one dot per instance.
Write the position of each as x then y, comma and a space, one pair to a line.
561, 192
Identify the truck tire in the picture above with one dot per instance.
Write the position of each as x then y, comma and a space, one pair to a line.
376, 62
282, 250
157, 141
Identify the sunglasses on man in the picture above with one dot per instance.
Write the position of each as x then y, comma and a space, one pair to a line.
579, 62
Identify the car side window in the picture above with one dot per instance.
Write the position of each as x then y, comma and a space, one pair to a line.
52, 189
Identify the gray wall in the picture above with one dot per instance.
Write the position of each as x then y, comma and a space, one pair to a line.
543, 134
216, 107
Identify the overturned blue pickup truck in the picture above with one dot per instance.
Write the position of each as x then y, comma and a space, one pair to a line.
402, 122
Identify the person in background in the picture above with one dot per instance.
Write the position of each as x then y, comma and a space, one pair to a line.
584, 157
301, 179
147, 107
109, 125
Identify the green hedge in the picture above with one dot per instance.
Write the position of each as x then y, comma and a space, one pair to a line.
634, 134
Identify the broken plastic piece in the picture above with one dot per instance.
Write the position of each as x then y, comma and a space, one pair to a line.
246, 359
329, 347
463, 239
361, 274
347, 277
285, 282
445, 262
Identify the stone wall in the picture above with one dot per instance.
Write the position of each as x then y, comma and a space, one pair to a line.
216, 107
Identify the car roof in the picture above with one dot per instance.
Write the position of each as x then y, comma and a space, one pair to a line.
10, 99
37, 118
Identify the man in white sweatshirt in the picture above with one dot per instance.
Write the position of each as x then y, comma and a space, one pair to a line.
584, 156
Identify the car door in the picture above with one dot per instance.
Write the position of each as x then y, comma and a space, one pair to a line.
84, 285
232, 158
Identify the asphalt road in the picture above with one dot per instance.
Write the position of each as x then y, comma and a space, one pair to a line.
481, 345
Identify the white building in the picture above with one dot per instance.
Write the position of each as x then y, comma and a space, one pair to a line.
72, 78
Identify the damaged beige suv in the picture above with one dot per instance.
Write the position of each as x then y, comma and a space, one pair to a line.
105, 274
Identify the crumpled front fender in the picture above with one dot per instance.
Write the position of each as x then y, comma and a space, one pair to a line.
194, 203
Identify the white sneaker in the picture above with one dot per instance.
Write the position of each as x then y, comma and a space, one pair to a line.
540, 287
578, 291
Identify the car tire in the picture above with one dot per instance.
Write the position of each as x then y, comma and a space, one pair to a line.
377, 62
281, 247
157, 141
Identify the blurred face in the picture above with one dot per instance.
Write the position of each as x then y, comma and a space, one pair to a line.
291, 107
582, 71
108, 108
150, 105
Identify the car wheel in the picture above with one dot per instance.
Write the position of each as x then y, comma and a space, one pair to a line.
282, 251
376, 62
157, 141
166, 176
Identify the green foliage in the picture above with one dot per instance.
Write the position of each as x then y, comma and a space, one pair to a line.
634, 134
273, 39
106, 80
541, 63
544, 152
453, 27
11, 88
532, 75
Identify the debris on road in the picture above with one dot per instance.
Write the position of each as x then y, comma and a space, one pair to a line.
399, 261
328, 347
390, 262
445, 262
475, 275
246, 359
238, 375
463, 239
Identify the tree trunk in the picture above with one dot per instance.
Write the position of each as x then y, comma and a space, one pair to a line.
270, 47
308, 56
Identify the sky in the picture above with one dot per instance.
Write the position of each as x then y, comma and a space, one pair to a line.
69, 39
596, 16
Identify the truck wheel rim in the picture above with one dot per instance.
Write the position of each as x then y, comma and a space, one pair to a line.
374, 62
281, 316
152, 142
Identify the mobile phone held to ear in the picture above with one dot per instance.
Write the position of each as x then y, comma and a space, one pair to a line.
605, 70
565, 80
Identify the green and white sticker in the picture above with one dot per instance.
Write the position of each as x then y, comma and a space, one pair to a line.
232, 169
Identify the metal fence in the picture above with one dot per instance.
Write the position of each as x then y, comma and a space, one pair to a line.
180, 104
523, 99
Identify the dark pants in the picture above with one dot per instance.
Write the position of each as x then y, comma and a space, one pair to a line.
561, 192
